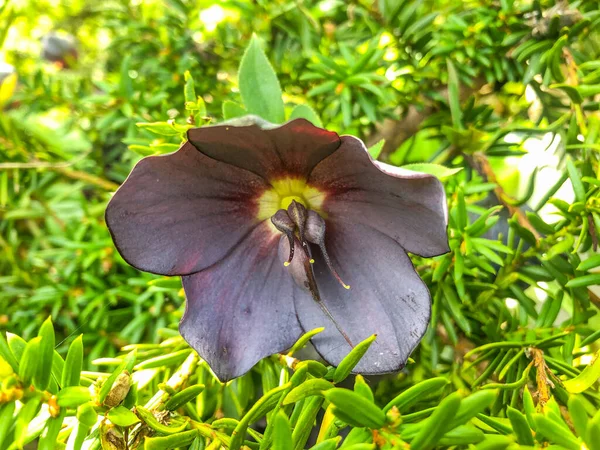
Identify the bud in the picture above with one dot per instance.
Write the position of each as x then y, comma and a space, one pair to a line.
111, 438
119, 390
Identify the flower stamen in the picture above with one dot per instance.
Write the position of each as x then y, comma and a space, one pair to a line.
315, 234
298, 213
284, 224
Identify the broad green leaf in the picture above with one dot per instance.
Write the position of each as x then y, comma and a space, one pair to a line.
259, 85
231, 110
306, 112
122, 416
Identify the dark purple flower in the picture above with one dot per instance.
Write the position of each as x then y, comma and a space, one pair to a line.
226, 211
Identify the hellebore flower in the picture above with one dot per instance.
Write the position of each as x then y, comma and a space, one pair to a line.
264, 224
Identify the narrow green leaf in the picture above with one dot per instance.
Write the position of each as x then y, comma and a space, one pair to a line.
177, 440
375, 149
583, 281
520, 426
73, 363
437, 170
351, 359
282, 432
46, 354
29, 363
454, 96
181, 398
303, 340
585, 379
315, 386
149, 419
305, 422
435, 426
578, 414
576, 181
352, 406
557, 434
413, 394
589, 263
189, 90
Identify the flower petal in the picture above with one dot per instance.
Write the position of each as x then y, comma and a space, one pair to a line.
179, 213
409, 207
241, 309
386, 297
293, 149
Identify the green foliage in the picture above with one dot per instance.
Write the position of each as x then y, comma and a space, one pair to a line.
499, 101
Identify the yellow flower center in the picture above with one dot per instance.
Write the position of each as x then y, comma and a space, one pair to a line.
283, 191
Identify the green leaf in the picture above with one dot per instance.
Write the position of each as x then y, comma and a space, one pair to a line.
149, 419
351, 359
231, 110
122, 416
316, 386
172, 441
437, 170
434, 427
181, 398
259, 85
413, 394
29, 363
520, 426
375, 149
585, 379
354, 409
472, 405
584, 281
592, 437
282, 432
556, 434
578, 414
576, 181
571, 91
46, 354
6, 420
589, 263
361, 387
305, 422
306, 112
189, 90
72, 397
7, 354
303, 340
161, 128
73, 363
454, 96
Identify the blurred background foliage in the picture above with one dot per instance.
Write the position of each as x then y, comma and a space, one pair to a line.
499, 98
